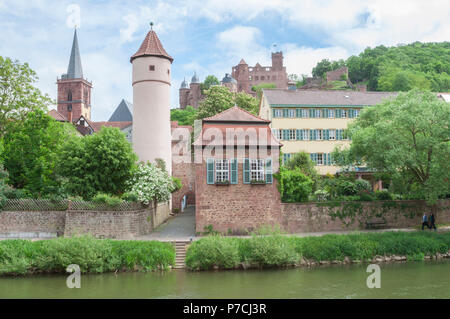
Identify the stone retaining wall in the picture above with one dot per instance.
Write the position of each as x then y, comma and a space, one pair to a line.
103, 224
314, 217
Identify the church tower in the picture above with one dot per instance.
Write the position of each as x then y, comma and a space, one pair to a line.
74, 92
151, 101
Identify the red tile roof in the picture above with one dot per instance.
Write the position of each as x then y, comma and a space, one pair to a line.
57, 116
235, 114
151, 46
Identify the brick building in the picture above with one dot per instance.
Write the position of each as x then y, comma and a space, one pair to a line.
234, 187
247, 77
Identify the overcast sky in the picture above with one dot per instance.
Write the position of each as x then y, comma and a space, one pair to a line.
204, 36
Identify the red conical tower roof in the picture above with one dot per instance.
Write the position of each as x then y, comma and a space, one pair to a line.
151, 46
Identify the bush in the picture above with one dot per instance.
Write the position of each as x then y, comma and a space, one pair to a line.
293, 185
270, 251
383, 195
102, 198
213, 251
129, 197
19, 257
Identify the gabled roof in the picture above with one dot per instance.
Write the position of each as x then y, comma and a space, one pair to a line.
151, 46
123, 112
74, 70
57, 116
235, 114
280, 97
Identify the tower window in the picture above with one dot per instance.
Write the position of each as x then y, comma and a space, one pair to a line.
151, 68
69, 96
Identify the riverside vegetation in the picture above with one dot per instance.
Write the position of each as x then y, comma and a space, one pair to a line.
21, 257
217, 252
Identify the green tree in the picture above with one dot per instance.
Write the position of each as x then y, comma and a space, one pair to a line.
303, 161
98, 163
18, 96
30, 153
321, 68
247, 102
293, 185
209, 81
185, 116
219, 98
407, 137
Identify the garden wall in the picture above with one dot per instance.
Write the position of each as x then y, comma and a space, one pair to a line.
103, 224
319, 217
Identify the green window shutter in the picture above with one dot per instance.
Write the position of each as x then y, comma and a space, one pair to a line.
326, 134
285, 113
246, 171
338, 113
324, 158
234, 171
273, 112
269, 171
299, 135
311, 156
329, 158
311, 137
311, 113
285, 134
210, 171
298, 112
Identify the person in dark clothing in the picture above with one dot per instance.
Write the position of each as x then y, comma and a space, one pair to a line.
432, 222
425, 221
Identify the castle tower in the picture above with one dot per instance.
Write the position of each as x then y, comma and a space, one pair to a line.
151, 101
241, 74
183, 94
277, 61
74, 92
195, 93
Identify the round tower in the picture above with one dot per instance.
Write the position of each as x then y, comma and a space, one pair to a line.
151, 101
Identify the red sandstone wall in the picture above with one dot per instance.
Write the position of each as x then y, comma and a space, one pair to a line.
309, 217
186, 173
78, 89
237, 207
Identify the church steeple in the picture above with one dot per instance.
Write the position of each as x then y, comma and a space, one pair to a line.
75, 70
74, 91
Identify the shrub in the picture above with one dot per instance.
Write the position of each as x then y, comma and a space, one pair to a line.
129, 197
19, 257
102, 198
269, 251
213, 251
383, 195
177, 185
293, 185
150, 183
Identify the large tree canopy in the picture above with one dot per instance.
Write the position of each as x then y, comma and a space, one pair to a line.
407, 137
184, 117
101, 162
18, 96
30, 152
219, 98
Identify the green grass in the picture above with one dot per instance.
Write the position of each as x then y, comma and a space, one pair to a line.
279, 251
21, 257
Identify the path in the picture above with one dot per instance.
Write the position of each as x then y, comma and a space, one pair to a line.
180, 227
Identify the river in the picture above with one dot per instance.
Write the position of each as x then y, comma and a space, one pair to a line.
398, 280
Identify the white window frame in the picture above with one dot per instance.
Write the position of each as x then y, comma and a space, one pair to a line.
257, 169
319, 134
331, 113
317, 113
277, 133
305, 134
319, 159
278, 113
344, 114
292, 136
332, 134
305, 113
222, 170
356, 112
291, 113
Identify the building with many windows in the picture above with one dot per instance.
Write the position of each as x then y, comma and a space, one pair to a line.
314, 121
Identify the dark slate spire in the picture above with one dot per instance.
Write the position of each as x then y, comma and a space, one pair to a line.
123, 112
75, 71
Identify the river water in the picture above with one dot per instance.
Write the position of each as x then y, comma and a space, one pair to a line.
398, 280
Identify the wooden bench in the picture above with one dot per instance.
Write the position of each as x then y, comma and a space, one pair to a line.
375, 223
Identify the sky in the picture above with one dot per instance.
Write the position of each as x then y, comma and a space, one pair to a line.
205, 36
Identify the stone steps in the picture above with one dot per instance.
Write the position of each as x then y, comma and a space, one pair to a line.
180, 254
